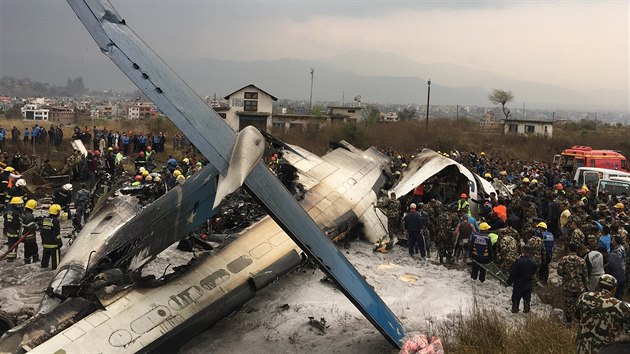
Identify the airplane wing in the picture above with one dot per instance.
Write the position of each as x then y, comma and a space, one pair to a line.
214, 138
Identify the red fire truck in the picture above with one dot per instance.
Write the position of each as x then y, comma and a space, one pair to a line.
585, 156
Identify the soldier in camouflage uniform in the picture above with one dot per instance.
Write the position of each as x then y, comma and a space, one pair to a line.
601, 316
433, 210
529, 225
538, 248
71, 162
508, 249
391, 208
576, 236
572, 268
444, 238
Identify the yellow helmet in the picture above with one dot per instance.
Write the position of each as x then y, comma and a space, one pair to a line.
482, 153
534, 181
16, 200
542, 224
31, 204
484, 226
54, 209
9, 169
585, 187
619, 206
487, 175
181, 178
186, 160
177, 173
145, 173
403, 165
525, 180
148, 178
503, 173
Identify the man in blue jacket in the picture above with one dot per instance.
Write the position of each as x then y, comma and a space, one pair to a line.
522, 280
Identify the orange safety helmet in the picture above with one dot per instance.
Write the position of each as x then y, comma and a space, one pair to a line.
463, 195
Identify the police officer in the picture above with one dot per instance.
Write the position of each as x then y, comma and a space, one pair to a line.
414, 224
601, 316
481, 251
13, 225
29, 228
522, 280
51, 237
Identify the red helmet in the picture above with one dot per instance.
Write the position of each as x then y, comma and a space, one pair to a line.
138, 178
559, 186
148, 148
96, 152
141, 154
463, 195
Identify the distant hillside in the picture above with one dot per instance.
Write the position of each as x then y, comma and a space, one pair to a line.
25, 87
356, 74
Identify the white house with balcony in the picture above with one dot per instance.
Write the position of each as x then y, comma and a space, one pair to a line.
249, 105
529, 127
33, 111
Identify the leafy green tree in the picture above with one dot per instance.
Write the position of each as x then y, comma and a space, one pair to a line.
13, 113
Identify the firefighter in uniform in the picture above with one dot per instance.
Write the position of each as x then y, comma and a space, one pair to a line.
31, 251
13, 224
51, 237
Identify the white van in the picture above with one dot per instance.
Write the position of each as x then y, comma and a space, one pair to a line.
618, 186
591, 175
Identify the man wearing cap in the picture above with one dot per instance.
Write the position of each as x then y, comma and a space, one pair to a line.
480, 250
601, 316
522, 280
414, 224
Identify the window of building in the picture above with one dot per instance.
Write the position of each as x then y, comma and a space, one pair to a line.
251, 95
351, 111
250, 106
529, 129
513, 128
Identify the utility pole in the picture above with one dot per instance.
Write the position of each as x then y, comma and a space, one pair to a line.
428, 100
457, 116
523, 110
343, 98
310, 101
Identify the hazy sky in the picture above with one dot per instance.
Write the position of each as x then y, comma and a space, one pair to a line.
575, 44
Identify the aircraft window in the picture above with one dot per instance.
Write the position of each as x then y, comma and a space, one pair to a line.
215, 279
239, 264
260, 250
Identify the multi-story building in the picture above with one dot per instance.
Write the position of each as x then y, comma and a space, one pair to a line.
249, 105
34, 112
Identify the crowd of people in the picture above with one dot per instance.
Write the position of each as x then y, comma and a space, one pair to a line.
547, 218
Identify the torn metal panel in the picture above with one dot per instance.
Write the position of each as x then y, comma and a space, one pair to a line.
213, 137
486, 186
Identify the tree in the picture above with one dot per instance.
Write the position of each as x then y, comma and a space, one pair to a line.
13, 113
498, 96
371, 114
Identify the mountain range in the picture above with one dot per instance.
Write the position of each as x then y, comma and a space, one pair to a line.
358, 73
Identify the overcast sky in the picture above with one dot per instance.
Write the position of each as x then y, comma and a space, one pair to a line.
575, 44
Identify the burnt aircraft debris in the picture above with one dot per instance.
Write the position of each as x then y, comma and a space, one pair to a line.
120, 234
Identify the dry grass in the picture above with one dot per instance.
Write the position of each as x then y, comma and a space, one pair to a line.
485, 330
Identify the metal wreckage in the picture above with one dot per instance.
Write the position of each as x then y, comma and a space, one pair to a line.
97, 299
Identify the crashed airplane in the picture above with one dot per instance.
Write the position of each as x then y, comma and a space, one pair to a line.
428, 164
88, 306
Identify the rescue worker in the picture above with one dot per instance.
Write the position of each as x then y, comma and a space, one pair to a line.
601, 316
50, 232
140, 161
444, 237
18, 190
463, 203
522, 280
63, 197
507, 250
572, 268
13, 225
480, 251
390, 207
82, 205
185, 165
5, 177
548, 241
413, 225
576, 236
29, 226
